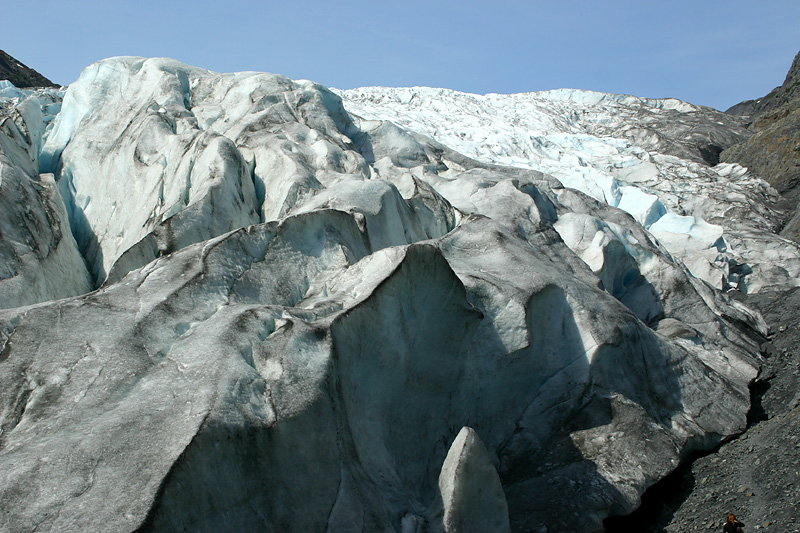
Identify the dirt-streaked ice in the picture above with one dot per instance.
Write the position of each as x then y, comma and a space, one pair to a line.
406, 311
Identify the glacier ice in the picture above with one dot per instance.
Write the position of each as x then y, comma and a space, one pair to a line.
237, 301
39, 259
647, 157
472, 496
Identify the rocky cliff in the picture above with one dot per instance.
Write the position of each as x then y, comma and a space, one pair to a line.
754, 110
773, 152
19, 75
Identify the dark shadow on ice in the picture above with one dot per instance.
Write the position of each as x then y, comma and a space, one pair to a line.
243, 475
88, 245
622, 279
85, 237
406, 369
400, 358
363, 144
384, 139
606, 409
364, 417
659, 503
710, 152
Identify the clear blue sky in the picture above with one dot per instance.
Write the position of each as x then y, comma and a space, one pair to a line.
710, 52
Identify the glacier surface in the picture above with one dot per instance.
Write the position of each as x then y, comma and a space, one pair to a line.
242, 302
650, 158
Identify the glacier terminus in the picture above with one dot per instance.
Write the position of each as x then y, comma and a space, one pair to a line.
238, 302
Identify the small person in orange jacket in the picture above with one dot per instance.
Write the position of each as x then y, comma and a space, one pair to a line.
732, 525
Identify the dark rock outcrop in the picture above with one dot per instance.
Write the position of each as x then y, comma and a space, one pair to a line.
773, 152
20, 75
779, 96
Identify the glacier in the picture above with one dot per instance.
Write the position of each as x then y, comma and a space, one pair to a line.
647, 157
242, 302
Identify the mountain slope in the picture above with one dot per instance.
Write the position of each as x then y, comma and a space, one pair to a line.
19, 75
777, 98
773, 152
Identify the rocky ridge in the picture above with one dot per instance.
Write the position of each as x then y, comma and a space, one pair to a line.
773, 152
753, 110
20, 75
